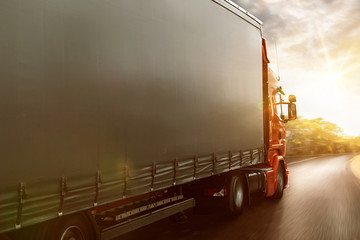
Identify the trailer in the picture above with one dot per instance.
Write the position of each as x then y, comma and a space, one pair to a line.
118, 113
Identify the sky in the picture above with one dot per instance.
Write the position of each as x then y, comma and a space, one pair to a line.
318, 55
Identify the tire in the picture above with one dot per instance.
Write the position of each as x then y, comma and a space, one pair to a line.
72, 227
280, 178
235, 199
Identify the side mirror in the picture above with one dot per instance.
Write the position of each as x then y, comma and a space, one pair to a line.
292, 99
292, 110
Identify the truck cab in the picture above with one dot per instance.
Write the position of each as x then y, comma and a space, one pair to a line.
279, 112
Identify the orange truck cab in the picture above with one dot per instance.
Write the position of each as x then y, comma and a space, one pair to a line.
277, 113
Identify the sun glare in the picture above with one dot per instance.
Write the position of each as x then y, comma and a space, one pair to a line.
332, 101
332, 77
329, 84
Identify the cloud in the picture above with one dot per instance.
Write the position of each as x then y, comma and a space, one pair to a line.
318, 45
312, 35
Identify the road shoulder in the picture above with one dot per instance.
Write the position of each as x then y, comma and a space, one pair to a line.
355, 166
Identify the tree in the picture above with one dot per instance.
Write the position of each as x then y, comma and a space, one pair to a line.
317, 136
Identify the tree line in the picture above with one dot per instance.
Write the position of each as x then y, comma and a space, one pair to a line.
317, 136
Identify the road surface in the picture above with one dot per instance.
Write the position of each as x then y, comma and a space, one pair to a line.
322, 202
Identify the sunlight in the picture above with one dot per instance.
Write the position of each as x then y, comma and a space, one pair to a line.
330, 99
329, 85
332, 77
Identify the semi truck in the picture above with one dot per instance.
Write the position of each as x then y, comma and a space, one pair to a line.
118, 113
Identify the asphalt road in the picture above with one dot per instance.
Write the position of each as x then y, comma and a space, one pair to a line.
322, 202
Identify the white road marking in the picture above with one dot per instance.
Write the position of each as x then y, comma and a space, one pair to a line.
305, 160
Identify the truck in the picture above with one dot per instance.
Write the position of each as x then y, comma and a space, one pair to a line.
118, 113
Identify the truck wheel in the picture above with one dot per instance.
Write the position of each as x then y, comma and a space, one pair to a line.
72, 227
280, 182
235, 198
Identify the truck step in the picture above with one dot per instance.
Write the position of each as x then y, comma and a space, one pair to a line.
121, 213
147, 218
